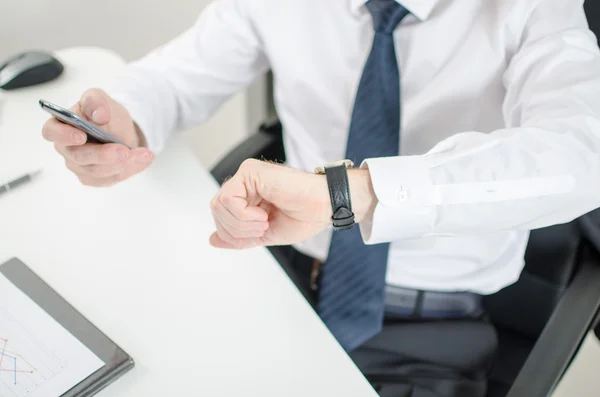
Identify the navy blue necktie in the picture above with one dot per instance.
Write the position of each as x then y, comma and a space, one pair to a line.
351, 299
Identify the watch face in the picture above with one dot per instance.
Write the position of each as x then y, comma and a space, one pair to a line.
321, 169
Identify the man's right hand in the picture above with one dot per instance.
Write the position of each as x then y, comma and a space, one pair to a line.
100, 164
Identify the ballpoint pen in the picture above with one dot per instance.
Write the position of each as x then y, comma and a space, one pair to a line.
18, 182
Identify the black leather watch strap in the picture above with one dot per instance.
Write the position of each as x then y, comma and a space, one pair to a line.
339, 192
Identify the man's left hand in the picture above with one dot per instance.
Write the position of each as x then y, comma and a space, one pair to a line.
267, 204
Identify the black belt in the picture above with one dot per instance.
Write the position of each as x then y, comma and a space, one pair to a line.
404, 302
401, 302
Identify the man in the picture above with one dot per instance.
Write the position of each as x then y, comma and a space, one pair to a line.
469, 123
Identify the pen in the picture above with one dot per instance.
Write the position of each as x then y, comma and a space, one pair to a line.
18, 182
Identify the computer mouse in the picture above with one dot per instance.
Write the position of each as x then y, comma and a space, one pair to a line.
29, 68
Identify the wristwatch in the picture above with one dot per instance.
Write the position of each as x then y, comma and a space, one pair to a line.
339, 192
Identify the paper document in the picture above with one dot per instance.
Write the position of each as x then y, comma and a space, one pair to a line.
38, 357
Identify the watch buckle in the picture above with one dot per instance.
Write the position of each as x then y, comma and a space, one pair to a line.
321, 169
343, 219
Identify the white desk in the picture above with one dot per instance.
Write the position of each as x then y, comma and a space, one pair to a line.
135, 260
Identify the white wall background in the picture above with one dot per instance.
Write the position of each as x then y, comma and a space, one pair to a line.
131, 28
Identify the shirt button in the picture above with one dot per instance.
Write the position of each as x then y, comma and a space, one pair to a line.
402, 195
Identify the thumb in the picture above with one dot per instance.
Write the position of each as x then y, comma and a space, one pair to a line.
217, 242
94, 106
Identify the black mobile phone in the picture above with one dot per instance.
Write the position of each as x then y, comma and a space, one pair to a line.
94, 133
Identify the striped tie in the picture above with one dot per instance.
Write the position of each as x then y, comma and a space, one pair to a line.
351, 299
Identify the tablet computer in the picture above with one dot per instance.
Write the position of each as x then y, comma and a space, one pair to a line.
47, 348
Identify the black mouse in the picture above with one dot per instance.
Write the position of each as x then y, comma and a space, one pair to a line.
29, 68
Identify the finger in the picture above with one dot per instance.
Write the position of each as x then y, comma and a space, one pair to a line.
62, 134
240, 233
100, 175
75, 168
217, 242
225, 235
142, 156
95, 153
231, 222
98, 182
102, 170
139, 160
94, 106
240, 209
237, 243
95, 171
127, 170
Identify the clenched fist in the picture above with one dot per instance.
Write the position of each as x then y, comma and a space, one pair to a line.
266, 204
98, 164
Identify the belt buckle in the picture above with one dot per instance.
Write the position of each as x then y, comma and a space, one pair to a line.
314, 274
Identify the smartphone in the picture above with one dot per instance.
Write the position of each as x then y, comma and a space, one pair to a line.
94, 133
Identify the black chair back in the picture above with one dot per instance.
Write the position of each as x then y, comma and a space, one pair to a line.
592, 11
550, 263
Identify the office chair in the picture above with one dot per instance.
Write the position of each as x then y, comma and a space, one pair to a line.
590, 225
543, 318
592, 11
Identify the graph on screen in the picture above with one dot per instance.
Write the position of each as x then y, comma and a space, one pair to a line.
25, 363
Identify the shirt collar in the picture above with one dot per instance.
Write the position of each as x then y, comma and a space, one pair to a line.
419, 8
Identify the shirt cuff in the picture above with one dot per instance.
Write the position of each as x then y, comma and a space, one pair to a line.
406, 199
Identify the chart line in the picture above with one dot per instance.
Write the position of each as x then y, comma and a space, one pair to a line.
38, 357
14, 371
18, 371
3, 350
18, 356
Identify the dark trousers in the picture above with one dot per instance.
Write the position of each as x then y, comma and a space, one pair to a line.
415, 357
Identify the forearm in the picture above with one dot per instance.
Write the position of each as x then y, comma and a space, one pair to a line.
152, 102
542, 169
184, 82
513, 179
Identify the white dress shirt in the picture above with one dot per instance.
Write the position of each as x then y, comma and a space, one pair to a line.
500, 130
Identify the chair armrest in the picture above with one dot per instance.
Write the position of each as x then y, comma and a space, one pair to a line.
267, 143
590, 227
565, 331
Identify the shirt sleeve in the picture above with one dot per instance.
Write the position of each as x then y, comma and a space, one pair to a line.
542, 169
184, 81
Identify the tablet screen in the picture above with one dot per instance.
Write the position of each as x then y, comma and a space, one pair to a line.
38, 356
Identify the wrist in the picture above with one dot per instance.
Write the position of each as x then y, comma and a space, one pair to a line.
362, 194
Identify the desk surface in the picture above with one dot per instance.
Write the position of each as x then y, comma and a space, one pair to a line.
135, 260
